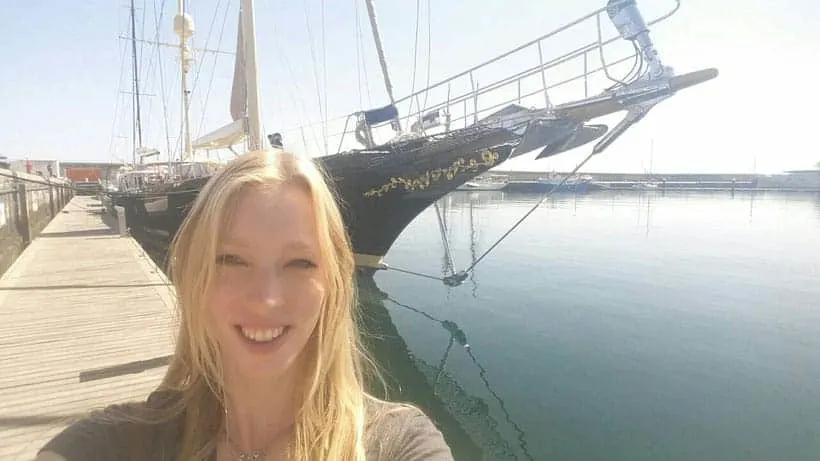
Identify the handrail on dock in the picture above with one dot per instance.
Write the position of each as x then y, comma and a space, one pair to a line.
27, 204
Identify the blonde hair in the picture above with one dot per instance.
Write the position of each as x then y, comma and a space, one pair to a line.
330, 422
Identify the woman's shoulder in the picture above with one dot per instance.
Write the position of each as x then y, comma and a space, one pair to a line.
112, 432
402, 432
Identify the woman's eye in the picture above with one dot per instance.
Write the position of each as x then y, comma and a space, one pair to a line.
302, 264
229, 260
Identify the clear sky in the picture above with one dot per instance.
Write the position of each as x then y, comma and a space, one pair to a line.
64, 69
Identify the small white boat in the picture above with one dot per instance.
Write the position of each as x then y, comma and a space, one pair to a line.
486, 182
645, 185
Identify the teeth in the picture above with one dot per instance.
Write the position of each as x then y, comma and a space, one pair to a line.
263, 335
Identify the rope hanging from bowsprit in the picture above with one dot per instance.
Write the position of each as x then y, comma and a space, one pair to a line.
456, 278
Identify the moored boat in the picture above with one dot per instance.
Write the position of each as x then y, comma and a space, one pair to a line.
383, 186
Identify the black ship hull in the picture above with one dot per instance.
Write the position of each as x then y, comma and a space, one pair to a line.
381, 191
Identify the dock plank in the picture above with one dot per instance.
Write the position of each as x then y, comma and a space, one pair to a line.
86, 320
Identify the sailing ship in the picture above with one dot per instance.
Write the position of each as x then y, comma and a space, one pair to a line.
385, 185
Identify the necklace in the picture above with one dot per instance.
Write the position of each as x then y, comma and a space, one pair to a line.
254, 455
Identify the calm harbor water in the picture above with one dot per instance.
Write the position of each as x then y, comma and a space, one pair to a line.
611, 326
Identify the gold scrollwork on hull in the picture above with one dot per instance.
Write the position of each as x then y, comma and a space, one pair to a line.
488, 158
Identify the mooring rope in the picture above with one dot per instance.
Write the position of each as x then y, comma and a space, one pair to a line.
456, 278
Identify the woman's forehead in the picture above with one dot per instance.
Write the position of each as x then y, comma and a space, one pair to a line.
283, 212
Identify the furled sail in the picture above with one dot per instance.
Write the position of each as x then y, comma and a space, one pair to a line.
234, 132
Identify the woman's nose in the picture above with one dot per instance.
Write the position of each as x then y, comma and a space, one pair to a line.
267, 288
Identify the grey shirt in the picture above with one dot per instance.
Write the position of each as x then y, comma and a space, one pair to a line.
400, 434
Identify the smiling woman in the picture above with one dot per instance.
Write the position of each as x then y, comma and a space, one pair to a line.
267, 363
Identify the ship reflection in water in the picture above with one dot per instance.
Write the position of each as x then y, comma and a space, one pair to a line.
466, 420
472, 415
613, 325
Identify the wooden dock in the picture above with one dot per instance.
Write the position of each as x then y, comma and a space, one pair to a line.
86, 320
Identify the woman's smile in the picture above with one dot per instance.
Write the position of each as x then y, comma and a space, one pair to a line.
262, 341
261, 335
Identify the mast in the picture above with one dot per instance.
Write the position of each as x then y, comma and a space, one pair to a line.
254, 123
137, 128
371, 12
184, 28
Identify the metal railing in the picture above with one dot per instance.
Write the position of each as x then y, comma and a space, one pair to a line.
570, 76
27, 204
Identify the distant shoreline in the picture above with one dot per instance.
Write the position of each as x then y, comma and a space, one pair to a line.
795, 179
603, 176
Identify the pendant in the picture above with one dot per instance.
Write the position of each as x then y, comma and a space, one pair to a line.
251, 456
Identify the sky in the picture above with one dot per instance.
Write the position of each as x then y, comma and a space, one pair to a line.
66, 74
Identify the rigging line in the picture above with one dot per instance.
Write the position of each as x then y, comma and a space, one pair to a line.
148, 84
156, 59
324, 73
356, 39
146, 69
482, 373
415, 59
315, 75
528, 213
360, 48
137, 128
152, 60
411, 308
213, 74
443, 362
167, 125
296, 96
178, 145
313, 124
304, 140
444, 240
457, 334
117, 98
117, 101
201, 62
344, 130
473, 245
166, 122
298, 100
142, 34
429, 53
183, 103
419, 274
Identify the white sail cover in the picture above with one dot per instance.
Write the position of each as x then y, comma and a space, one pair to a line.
234, 132
223, 137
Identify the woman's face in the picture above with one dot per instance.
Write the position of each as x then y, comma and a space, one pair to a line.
268, 289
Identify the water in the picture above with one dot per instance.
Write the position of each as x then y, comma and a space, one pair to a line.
611, 326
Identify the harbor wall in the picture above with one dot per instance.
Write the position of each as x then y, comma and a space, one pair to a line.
27, 204
633, 177
796, 180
